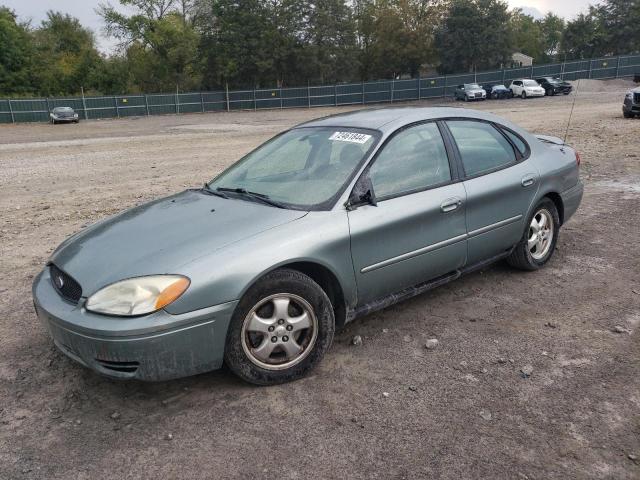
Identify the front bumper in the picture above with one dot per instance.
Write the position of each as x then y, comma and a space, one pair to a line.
571, 200
534, 93
154, 347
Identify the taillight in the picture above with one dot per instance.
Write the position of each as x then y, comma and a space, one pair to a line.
578, 159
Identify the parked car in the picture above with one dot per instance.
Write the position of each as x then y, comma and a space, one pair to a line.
470, 91
553, 86
497, 91
631, 105
326, 222
526, 88
63, 115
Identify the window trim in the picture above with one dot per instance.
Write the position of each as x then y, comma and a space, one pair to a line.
518, 157
453, 164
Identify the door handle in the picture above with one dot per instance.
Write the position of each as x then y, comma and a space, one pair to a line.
528, 180
450, 204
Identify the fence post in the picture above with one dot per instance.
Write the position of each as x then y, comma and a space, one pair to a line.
504, 75
531, 70
362, 82
280, 95
335, 94
84, 104
444, 91
618, 67
13, 120
255, 102
177, 101
562, 68
393, 80
115, 101
202, 101
590, 67
48, 106
227, 94
419, 87
146, 104
308, 94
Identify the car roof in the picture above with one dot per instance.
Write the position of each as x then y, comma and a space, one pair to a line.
390, 119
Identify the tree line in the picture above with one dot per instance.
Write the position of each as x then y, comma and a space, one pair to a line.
206, 44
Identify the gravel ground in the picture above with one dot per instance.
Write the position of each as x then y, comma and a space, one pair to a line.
388, 408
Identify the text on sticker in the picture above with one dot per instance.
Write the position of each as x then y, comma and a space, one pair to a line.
350, 137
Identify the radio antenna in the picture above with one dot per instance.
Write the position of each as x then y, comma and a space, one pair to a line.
573, 105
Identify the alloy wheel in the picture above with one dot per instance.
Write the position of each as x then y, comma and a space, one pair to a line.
541, 231
279, 331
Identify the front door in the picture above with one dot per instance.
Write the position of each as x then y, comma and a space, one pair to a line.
417, 230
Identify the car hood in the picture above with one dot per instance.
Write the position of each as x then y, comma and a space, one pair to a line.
161, 236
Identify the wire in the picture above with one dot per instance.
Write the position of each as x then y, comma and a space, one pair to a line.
575, 97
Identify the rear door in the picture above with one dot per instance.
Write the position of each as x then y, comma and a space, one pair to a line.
500, 184
417, 230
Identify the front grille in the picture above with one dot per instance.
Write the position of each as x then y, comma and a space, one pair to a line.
65, 285
636, 98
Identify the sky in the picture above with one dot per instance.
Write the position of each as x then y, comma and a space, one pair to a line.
85, 11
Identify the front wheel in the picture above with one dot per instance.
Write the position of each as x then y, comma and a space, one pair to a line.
280, 330
538, 242
627, 114
524, 95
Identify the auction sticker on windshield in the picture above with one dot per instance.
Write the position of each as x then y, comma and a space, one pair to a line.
350, 137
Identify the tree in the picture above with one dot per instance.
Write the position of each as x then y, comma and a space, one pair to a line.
16, 55
159, 41
551, 28
620, 25
527, 35
475, 35
65, 55
582, 37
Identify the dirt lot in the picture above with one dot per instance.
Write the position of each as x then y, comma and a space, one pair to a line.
462, 410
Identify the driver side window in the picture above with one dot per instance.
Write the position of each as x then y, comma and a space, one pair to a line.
413, 160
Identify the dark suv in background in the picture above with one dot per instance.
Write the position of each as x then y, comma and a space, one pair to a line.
631, 106
553, 86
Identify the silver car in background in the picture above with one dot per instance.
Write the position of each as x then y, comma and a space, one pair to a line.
469, 92
326, 222
63, 115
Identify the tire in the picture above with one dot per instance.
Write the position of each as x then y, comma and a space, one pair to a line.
466, 98
297, 295
524, 95
522, 256
627, 114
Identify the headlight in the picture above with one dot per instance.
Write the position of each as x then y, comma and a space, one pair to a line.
138, 296
75, 115
629, 95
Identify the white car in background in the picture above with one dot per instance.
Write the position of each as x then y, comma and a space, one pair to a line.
525, 87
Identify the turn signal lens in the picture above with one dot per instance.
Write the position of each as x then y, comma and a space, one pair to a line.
171, 293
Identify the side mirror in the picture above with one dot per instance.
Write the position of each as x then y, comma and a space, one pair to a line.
362, 194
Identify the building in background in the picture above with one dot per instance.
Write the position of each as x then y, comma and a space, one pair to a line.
521, 60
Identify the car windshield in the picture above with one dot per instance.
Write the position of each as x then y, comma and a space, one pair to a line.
531, 83
304, 168
62, 109
499, 87
471, 86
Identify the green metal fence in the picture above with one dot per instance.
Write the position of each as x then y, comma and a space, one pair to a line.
380, 91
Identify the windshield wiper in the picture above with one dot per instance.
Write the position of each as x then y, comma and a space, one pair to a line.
258, 196
206, 189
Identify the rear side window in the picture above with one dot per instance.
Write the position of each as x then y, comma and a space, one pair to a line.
517, 141
482, 147
414, 159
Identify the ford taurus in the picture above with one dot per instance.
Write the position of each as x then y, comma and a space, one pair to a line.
325, 222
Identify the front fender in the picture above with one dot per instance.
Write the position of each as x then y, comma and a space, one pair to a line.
225, 275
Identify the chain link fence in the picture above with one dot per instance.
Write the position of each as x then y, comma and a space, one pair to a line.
381, 91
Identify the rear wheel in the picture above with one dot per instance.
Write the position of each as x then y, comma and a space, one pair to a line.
280, 330
539, 239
